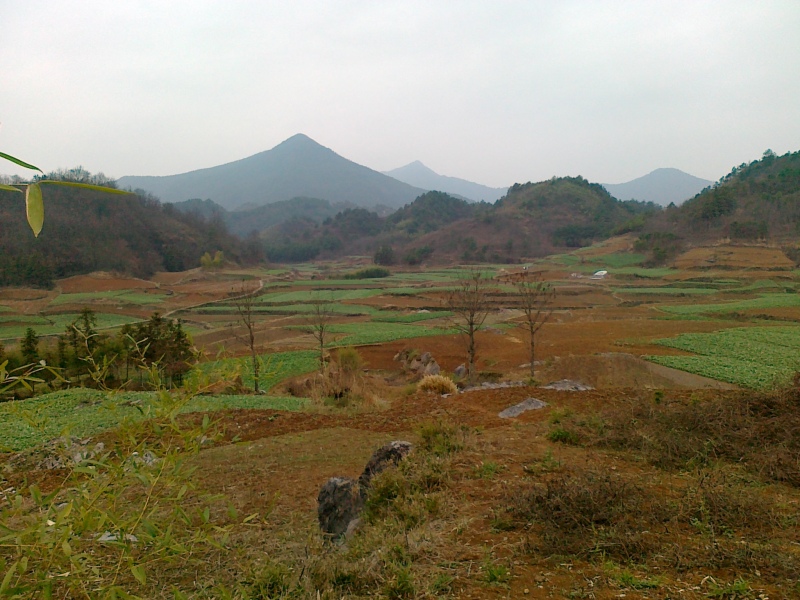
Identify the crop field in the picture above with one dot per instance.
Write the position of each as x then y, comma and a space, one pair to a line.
666, 291
754, 357
12, 327
117, 296
81, 412
275, 367
764, 301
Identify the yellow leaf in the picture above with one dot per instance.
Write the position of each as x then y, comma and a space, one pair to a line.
34, 205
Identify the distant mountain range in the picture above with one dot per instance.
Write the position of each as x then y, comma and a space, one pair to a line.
420, 176
662, 186
298, 167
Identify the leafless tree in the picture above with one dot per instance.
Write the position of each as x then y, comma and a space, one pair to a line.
535, 298
318, 323
244, 301
469, 303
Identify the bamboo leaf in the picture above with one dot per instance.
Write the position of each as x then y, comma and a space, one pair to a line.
9, 188
34, 206
138, 572
19, 162
86, 186
7, 579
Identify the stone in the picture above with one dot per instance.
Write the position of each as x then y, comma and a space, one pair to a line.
339, 502
568, 385
518, 409
386, 456
432, 368
460, 370
341, 499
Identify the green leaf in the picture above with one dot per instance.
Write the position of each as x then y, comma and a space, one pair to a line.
19, 162
86, 186
9, 188
138, 572
34, 205
7, 579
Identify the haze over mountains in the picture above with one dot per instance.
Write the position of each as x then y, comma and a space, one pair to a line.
297, 167
661, 186
419, 175
301, 168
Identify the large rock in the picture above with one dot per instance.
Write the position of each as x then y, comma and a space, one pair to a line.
387, 456
341, 499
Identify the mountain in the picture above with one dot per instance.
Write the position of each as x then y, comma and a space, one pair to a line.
662, 186
420, 176
87, 231
297, 167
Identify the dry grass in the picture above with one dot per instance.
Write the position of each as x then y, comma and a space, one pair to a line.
438, 384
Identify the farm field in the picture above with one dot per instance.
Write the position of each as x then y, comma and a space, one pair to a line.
679, 446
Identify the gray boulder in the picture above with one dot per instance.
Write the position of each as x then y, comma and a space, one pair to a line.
386, 456
340, 501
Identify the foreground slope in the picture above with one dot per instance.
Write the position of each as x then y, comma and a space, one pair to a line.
298, 167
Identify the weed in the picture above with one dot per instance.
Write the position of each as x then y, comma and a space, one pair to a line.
738, 589
495, 572
628, 580
441, 438
441, 585
546, 464
438, 384
487, 470
563, 436
401, 585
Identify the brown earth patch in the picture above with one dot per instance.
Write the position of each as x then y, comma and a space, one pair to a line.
734, 257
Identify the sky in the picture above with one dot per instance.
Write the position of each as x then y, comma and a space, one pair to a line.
495, 92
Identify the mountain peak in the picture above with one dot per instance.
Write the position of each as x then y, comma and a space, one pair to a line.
661, 186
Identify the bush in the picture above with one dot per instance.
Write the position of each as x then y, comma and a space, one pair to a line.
437, 383
370, 273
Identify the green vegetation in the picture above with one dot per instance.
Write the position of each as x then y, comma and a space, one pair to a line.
81, 412
754, 357
764, 301
666, 290
276, 367
119, 296
13, 326
389, 317
357, 334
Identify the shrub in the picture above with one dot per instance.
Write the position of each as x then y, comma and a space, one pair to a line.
370, 273
437, 383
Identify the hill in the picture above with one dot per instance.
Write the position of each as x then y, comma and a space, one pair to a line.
420, 176
662, 186
534, 219
87, 231
298, 167
755, 202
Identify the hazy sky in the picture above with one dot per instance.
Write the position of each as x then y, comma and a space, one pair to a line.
496, 92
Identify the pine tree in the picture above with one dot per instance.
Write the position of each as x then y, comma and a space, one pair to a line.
29, 347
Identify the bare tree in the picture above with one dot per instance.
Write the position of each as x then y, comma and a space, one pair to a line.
535, 298
469, 303
318, 325
244, 302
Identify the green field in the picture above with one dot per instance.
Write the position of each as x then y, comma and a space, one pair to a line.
667, 291
119, 296
81, 412
13, 327
754, 357
764, 301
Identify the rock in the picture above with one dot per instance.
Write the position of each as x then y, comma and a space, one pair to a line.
518, 409
460, 370
386, 456
339, 502
432, 368
426, 358
568, 385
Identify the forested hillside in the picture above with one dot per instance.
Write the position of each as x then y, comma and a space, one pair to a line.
759, 201
88, 231
531, 220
